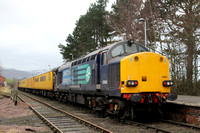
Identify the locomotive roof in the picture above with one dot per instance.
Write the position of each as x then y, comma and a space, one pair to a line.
68, 64
99, 50
64, 66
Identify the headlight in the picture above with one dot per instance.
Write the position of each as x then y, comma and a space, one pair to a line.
132, 83
167, 83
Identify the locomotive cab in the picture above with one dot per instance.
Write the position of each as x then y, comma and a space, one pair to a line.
129, 70
108, 61
132, 76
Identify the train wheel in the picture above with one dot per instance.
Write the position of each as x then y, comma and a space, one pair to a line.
132, 113
123, 113
160, 113
64, 100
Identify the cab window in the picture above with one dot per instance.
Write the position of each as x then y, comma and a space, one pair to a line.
119, 50
124, 49
131, 48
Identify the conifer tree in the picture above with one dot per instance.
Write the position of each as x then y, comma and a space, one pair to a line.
90, 32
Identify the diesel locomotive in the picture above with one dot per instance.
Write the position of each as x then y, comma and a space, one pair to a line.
120, 78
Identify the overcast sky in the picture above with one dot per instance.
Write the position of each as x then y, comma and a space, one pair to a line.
31, 30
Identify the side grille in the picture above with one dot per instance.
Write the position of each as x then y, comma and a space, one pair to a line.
114, 75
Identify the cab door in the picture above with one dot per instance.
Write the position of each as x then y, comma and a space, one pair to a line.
104, 70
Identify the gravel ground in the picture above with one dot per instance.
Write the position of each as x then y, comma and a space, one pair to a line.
19, 119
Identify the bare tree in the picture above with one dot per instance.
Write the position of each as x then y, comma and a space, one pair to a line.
184, 19
124, 19
151, 13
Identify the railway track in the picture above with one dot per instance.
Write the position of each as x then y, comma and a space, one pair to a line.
197, 128
166, 126
59, 120
128, 126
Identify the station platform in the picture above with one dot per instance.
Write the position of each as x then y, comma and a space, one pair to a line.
187, 100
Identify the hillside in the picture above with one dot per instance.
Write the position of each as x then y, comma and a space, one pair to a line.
15, 74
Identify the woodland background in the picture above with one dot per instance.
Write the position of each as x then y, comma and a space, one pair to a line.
173, 30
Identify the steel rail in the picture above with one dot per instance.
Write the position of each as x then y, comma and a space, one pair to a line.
181, 124
96, 127
42, 117
146, 126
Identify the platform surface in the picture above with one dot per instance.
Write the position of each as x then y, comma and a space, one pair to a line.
187, 100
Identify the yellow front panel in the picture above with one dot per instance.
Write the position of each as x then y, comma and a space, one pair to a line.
150, 66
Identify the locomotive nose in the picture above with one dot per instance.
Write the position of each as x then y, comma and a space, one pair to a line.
148, 69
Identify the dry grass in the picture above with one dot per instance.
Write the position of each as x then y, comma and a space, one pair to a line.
5, 91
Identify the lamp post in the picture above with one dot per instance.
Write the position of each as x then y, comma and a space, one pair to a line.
145, 31
72, 55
